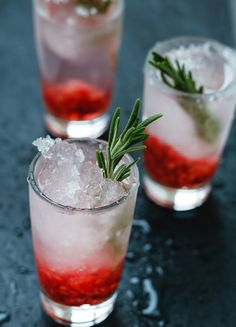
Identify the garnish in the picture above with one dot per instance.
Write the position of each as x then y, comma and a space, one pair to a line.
119, 145
177, 77
100, 6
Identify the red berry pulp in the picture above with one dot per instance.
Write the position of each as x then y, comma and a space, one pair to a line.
77, 287
75, 100
169, 167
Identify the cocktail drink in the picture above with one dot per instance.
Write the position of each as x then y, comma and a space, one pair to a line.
81, 225
82, 200
77, 46
184, 150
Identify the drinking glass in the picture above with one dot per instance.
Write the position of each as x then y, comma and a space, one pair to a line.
79, 253
77, 53
185, 146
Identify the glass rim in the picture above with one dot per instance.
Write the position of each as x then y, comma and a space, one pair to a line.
33, 183
229, 89
116, 12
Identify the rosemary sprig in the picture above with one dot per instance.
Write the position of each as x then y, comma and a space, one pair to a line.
101, 6
179, 78
125, 142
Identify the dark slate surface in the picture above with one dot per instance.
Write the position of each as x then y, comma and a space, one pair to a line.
189, 258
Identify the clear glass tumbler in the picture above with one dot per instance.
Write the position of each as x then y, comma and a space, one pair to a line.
184, 148
79, 253
77, 53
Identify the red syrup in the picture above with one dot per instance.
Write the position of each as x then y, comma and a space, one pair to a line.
75, 100
78, 287
170, 168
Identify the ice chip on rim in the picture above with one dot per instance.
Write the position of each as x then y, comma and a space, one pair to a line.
44, 144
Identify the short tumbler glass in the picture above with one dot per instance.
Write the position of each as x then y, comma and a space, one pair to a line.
77, 54
185, 146
79, 253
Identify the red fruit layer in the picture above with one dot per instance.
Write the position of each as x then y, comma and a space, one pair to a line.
77, 287
170, 168
75, 100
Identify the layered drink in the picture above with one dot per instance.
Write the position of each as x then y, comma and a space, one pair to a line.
184, 149
77, 47
81, 224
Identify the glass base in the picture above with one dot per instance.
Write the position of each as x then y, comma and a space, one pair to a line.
177, 199
82, 316
77, 129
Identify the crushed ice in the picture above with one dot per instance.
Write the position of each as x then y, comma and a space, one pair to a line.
44, 144
69, 175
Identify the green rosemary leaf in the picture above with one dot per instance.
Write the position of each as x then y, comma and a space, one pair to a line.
156, 57
119, 172
163, 76
139, 139
150, 120
132, 149
133, 117
201, 89
128, 134
108, 161
124, 176
101, 162
123, 143
100, 165
115, 135
114, 127
133, 163
139, 130
125, 170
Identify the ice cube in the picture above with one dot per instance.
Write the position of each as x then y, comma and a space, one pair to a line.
111, 192
45, 144
97, 191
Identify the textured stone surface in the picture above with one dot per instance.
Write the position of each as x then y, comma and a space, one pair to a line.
188, 258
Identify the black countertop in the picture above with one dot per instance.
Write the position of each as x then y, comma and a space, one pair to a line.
184, 262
